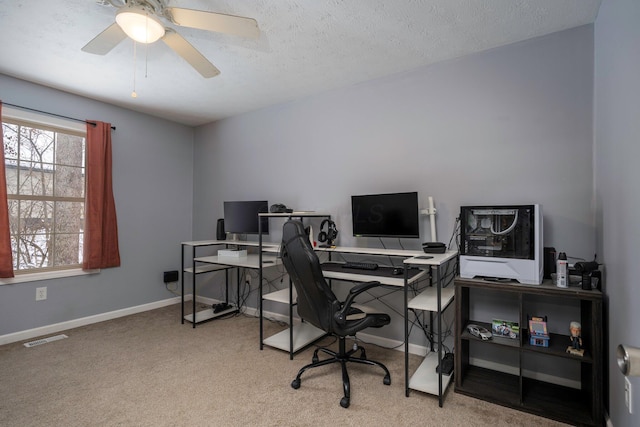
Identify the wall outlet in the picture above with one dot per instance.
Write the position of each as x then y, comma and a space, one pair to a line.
628, 396
41, 293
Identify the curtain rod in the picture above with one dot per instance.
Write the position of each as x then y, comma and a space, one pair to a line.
52, 114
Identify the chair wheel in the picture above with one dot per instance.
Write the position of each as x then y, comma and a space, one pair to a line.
344, 402
314, 359
386, 380
295, 384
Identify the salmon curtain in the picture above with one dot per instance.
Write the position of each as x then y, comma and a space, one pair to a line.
101, 228
6, 259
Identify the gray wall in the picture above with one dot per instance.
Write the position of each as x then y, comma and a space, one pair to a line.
506, 126
152, 184
617, 126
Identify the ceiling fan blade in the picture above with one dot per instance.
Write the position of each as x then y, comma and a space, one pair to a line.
190, 54
106, 40
218, 22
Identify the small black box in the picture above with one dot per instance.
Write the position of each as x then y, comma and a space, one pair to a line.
170, 276
434, 247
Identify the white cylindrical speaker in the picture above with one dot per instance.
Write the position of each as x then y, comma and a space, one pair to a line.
432, 220
628, 360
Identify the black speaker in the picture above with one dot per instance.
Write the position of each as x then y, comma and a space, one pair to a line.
549, 262
171, 276
220, 234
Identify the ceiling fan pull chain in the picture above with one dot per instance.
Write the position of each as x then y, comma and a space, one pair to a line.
134, 94
146, 59
146, 47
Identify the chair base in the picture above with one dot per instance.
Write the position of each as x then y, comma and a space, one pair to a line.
342, 357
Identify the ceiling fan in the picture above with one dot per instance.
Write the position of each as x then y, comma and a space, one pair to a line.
142, 20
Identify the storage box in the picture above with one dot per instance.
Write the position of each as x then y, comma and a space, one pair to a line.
235, 253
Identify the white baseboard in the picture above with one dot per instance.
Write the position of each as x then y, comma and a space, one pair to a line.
70, 324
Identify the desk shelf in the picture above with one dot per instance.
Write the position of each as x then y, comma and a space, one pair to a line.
403, 253
204, 315
427, 300
295, 337
205, 269
281, 296
434, 299
303, 335
215, 263
249, 261
425, 378
195, 269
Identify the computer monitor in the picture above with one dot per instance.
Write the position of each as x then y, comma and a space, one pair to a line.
241, 217
386, 215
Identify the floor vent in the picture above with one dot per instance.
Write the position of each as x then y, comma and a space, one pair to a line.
45, 340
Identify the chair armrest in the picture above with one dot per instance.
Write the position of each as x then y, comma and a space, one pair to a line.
358, 289
341, 315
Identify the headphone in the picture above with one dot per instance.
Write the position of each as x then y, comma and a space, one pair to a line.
330, 235
279, 208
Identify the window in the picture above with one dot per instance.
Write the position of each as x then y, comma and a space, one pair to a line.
45, 171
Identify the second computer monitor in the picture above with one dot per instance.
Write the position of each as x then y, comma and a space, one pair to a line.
241, 217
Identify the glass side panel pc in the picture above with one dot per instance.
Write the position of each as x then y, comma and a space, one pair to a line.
502, 242
241, 217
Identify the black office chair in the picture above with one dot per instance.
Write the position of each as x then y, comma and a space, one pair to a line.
318, 305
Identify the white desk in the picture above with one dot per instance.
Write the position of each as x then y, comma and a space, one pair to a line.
436, 260
433, 299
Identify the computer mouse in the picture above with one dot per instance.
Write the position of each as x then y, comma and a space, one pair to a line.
398, 271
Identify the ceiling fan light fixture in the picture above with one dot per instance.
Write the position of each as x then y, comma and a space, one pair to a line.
138, 24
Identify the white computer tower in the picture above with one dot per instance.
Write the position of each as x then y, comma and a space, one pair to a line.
502, 242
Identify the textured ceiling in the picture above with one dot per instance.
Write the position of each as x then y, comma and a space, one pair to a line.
305, 47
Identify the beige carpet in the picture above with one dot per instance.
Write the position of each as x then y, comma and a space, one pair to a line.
149, 369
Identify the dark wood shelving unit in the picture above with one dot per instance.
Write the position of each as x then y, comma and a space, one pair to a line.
578, 406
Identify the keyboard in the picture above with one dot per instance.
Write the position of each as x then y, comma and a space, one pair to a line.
361, 265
